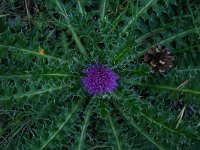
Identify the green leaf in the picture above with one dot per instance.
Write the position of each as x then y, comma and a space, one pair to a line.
33, 75
71, 28
32, 52
62, 125
84, 128
114, 132
138, 14
160, 124
102, 11
31, 93
142, 131
170, 88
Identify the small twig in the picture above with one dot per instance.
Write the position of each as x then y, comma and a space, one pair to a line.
180, 116
182, 85
27, 10
4, 15
80, 8
91, 139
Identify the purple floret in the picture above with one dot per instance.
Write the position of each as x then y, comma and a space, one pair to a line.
99, 79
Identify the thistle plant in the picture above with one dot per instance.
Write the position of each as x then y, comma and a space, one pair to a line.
99, 74
99, 79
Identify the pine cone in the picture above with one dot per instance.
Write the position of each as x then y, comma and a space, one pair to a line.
159, 58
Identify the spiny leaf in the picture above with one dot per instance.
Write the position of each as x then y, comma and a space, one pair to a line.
33, 75
169, 128
61, 125
144, 133
32, 93
114, 132
188, 70
170, 88
83, 131
71, 28
170, 39
31, 52
122, 52
138, 13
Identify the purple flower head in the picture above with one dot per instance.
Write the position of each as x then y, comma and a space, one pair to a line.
99, 79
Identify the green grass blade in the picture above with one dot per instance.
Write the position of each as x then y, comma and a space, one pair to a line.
80, 8
102, 11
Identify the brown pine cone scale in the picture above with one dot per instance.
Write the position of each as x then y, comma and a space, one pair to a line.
159, 58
